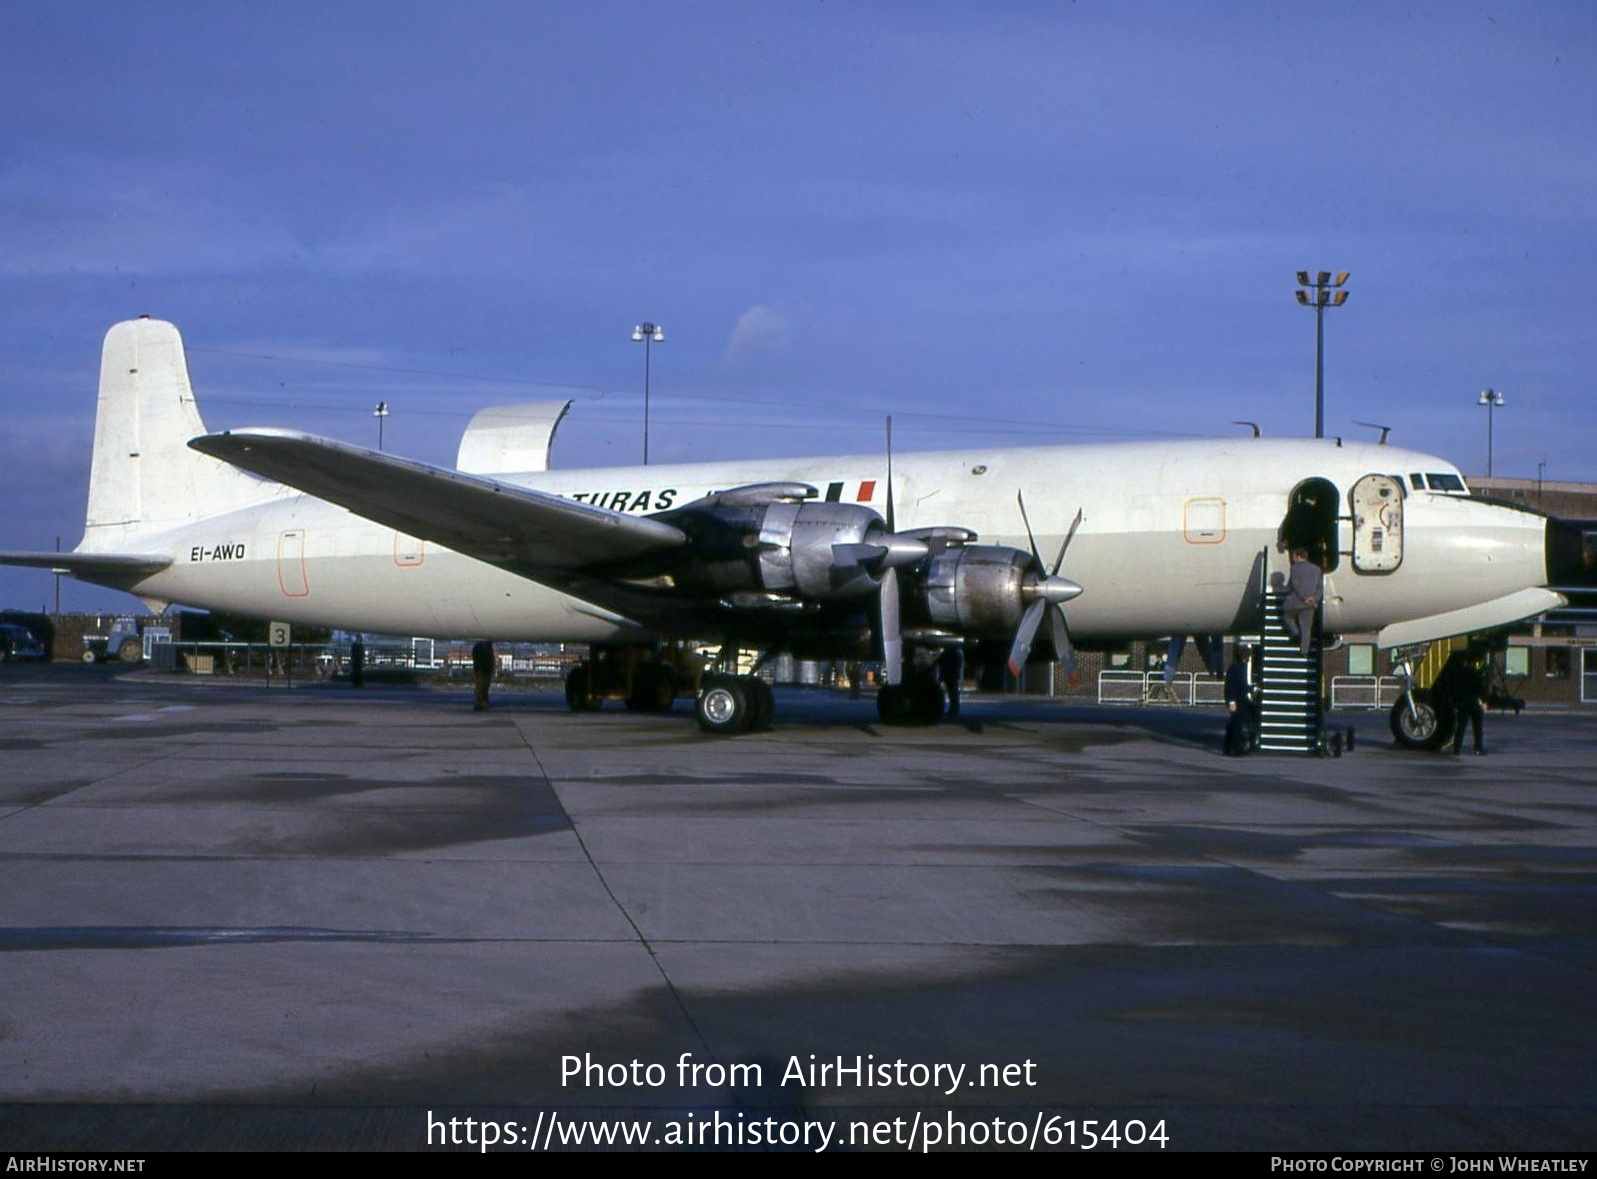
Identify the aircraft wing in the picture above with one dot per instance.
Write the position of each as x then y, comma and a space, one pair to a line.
492, 521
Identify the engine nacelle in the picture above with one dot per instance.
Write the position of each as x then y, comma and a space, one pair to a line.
783, 548
975, 590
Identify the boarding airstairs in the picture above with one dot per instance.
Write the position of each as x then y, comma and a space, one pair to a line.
1291, 710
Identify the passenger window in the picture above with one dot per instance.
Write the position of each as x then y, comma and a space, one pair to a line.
1204, 520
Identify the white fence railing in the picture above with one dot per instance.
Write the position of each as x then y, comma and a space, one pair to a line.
1365, 691
1148, 687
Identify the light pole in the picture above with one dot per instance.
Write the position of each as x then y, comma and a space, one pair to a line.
1320, 294
380, 413
650, 334
1491, 399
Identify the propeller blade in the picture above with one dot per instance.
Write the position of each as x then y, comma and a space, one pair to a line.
1064, 649
1024, 634
890, 525
892, 636
1069, 536
1031, 539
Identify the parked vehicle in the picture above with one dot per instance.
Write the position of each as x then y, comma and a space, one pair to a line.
124, 643
18, 642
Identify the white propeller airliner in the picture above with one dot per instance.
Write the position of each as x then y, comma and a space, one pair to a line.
840, 557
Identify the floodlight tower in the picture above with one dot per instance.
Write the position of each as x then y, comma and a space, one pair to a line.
649, 334
1491, 399
380, 413
1323, 292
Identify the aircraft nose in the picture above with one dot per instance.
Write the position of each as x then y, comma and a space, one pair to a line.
1572, 553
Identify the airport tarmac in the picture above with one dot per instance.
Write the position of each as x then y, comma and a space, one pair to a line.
240, 918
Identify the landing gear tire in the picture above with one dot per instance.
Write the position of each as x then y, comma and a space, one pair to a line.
927, 700
763, 702
895, 705
725, 705
579, 693
653, 689
1426, 727
919, 700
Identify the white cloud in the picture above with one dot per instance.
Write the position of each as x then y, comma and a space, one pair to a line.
759, 329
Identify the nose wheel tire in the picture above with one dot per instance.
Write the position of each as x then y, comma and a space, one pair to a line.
1422, 727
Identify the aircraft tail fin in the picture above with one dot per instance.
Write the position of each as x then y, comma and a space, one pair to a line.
144, 476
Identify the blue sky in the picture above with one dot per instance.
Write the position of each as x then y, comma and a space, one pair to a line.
1002, 223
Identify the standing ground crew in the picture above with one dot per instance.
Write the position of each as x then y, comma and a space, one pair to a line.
482, 673
1242, 723
1460, 687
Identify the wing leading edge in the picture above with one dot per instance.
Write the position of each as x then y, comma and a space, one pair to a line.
483, 518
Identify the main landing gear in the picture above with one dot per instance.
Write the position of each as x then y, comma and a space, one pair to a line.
645, 678
729, 704
919, 700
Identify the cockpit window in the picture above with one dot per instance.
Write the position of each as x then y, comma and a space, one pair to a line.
1445, 482
1417, 481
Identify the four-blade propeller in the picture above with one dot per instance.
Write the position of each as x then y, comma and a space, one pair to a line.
1045, 588
883, 554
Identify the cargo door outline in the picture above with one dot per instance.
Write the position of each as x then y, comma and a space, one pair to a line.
1377, 505
291, 577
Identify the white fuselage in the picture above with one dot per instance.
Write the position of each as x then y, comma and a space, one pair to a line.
1170, 542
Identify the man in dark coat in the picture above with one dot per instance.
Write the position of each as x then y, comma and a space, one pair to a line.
951, 672
1460, 687
482, 672
1241, 722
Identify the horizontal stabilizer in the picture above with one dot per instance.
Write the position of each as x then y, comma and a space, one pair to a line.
117, 570
481, 517
1514, 607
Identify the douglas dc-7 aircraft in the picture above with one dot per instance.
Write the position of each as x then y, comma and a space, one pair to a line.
844, 558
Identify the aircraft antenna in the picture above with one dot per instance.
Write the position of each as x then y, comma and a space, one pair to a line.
1255, 426
1385, 430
